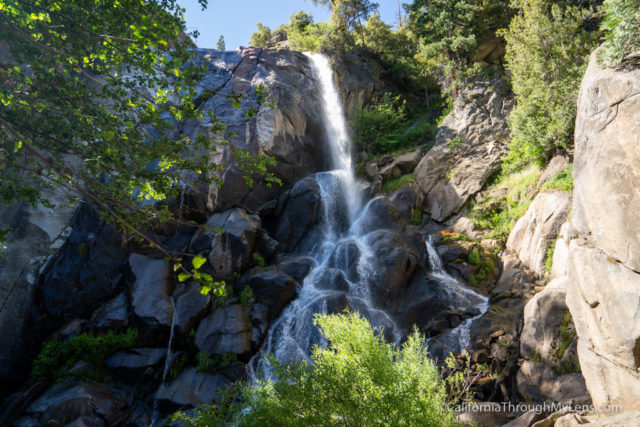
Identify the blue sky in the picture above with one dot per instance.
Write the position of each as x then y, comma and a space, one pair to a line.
236, 19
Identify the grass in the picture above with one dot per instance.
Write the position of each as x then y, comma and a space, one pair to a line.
566, 338
561, 181
393, 184
548, 262
57, 357
214, 363
520, 188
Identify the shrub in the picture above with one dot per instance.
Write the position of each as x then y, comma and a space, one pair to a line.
392, 184
57, 356
620, 23
246, 294
548, 262
474, 257
374, 123
216, 362
561, 181
358, 379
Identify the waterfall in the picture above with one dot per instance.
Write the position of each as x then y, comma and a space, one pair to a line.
344, 265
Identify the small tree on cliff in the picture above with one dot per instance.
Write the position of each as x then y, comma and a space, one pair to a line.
349, 15
622, 29
221, 45
260, 37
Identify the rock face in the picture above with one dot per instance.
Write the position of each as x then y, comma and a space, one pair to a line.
604, 258
290, 131
36, 232
468, 150
227, 330
536, 230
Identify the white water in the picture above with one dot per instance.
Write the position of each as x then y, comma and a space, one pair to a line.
458, 338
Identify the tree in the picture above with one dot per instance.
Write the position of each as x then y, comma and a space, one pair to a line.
221, 44
260, 37
621, 25
348, 15
92, 95
357, 380
547, 47
446, 28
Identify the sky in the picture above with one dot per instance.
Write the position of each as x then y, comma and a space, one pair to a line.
236, 19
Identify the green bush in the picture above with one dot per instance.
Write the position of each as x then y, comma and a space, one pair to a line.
213, 363
358, 379
392, 184
620, 23
474, 256
375, 123
246, 294
57, 356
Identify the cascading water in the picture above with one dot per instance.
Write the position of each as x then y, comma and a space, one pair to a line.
458, 338
344, 265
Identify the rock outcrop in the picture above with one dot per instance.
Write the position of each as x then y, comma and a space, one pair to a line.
469, 147
604, 255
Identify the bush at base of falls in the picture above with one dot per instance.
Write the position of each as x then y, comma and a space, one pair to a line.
358, 379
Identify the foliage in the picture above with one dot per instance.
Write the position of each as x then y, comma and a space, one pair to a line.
357, 379
215, 362
416, 216
57, 356
246, 295
561, 181
548, 261
91, 98
349, 15
261, 36
486, 267
221, 44
547, 47
499, 215
205, 280
620, 24
177, 366
392, 184
376, 121
258, 260
474, 256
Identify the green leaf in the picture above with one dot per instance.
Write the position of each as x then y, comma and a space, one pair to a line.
182, 277
198, 261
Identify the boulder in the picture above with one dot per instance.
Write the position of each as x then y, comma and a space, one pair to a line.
623, 419
87, 271
560, 265
379, 214
133, 362
113, 315
538, 383
301, 210
401, 165
469, 147
536, 230
227, 330
271, 287
602, 297
407, 199
150, 293
230, 238
190, 305
555, 166
605, 172
73, 399
543, 318
192, 389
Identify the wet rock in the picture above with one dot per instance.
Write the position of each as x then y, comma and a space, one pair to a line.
227, 330
72, 399
192, 388
395, 263
135, 361
503, 315
230, 238
302, 209
111, 316
297, 268
150, 293
332, 279
380, 214
407, 199
190, 305
259, 315
271, 287
536, 230
265, 244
